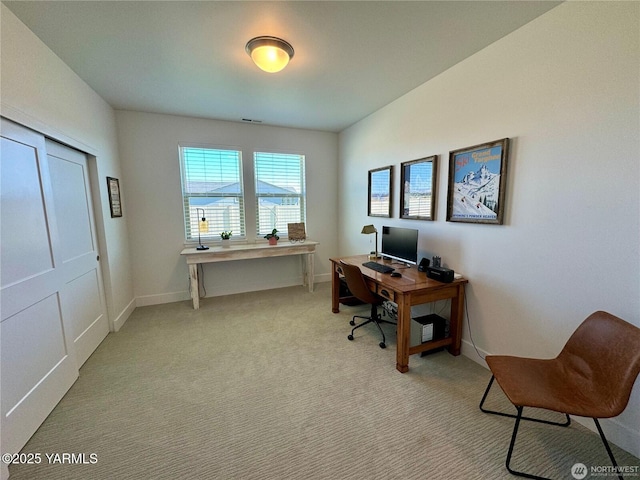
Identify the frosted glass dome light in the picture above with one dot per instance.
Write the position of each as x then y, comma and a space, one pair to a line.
270, 54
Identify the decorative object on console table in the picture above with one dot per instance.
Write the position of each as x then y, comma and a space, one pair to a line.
380, 192
368, 229
477, 183
296, 232
203, 227
225, 236
272, 237
113, 187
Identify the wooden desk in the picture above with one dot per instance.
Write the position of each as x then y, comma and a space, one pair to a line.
245, 252
413, 288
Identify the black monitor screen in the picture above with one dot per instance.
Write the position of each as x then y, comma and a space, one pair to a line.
400, 244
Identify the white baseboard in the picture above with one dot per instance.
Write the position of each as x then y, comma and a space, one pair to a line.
622, 435
228, 289
474, 353
617, 433
255, 287
124, 315
325, 277
161, 298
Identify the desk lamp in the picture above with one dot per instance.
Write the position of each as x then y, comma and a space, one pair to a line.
203, 226
367, 229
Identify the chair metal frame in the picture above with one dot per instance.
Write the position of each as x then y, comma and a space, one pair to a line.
519, 417
602, 348
360, 290
375, 318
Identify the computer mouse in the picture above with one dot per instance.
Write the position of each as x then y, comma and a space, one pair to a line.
396, 274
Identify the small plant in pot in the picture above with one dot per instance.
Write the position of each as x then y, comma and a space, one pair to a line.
272, 237
225, 238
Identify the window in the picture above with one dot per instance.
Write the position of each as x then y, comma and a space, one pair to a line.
280, 191
212, 186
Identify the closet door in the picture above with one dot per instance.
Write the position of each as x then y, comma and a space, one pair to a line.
38, 363
82, 295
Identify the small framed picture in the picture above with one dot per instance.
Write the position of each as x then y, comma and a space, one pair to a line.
380, 182
296, 232
477, 183
113, 186
418, 188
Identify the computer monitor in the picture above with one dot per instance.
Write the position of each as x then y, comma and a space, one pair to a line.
400, 244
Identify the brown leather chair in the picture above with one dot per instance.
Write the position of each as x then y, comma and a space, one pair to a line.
591, 377
359, 289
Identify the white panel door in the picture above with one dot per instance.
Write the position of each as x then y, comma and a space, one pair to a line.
38, 363
83, 304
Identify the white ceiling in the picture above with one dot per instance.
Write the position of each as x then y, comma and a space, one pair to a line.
188, 58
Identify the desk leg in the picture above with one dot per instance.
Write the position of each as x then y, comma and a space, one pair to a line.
195, 287
335, 289
455, 325
403, 333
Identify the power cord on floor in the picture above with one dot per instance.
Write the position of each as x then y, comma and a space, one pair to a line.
466, 311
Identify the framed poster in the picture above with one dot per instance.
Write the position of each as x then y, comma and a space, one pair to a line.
418, 188
477, 182
113, 186
380, 191
296, 232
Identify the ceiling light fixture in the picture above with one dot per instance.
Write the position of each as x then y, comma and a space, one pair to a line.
270, 54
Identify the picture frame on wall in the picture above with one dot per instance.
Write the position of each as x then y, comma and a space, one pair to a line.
113, 187
418, 188
380, 191
477, 183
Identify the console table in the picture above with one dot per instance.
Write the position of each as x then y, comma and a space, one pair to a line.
248, 251
412, 288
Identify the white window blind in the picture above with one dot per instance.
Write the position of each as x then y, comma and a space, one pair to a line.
212, 185
280, 191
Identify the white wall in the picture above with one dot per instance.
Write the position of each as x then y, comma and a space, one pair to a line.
41, 92
149, 152
565, 89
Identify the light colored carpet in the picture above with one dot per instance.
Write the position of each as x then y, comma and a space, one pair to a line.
266, 385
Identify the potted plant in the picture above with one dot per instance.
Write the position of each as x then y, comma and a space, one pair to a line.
225, 238
272, 237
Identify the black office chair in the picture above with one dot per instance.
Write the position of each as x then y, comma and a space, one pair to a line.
359, 289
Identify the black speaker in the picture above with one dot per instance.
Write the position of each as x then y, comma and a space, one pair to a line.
441, 274
424, 263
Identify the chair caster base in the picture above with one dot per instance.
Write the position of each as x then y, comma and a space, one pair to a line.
383, 345
352, 322
350, 337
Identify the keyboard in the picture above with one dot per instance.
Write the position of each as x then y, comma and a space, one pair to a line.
378, 267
